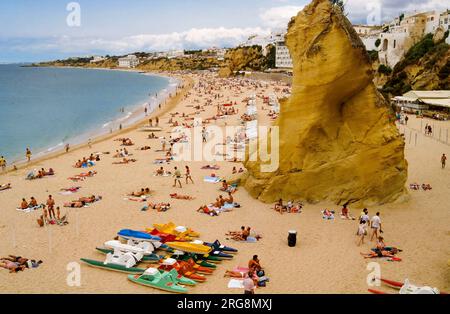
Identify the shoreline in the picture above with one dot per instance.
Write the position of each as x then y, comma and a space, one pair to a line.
166, 104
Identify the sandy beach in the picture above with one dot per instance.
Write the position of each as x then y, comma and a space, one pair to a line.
325, 260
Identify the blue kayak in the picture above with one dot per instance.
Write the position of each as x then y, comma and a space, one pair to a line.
217, 246
137, 235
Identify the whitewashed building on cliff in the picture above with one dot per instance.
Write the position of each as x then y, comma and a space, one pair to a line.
403, 33
283, 57
130, 61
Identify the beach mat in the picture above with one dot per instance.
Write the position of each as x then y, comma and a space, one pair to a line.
212, 179
236, 284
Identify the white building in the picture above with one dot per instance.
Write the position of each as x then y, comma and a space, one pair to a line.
97, 59
175, 54
444, 23
369, 35
283, 56
403, 33
424, 100
130, 61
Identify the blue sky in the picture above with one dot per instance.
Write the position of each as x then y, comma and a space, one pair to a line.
37, 30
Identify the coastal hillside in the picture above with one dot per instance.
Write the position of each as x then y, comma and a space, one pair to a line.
426, 66
193, 60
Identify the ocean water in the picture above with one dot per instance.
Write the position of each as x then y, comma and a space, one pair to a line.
45, 108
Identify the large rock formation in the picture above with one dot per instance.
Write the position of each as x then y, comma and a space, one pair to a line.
337, 139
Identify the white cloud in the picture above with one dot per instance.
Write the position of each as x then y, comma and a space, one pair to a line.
195, 38
279, 17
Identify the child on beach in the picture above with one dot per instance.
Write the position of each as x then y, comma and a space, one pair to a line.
188, 175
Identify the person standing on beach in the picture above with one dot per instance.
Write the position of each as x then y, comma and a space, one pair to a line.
67, 148
443, 161
249, 284
375, 223
145, 110
150, 122
2, 163
177, 176
51, 207
90, 144
28, 154
188, 175
157, 121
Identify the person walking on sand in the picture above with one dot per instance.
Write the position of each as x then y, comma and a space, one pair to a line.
157, 121
67, 147
362, 232
90, 143
150, 122
188, 175
2, 163
177, 176
145, 110
28, 154
51, 207
443, 161
375, 224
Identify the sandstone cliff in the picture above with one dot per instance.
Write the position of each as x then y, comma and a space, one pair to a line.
426, 66
337, 141
247, 59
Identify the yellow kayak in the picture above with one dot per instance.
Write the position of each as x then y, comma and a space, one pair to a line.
190, 247
180, 231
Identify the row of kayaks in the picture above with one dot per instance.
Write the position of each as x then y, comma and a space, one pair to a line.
177, 264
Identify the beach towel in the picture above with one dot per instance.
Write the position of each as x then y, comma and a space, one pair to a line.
67, 193
212, 179
30, 209
236, 284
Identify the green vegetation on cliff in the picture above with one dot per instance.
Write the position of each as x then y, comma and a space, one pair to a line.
424, 67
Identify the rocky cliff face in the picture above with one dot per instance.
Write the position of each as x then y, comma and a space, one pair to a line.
337, 141
244, 59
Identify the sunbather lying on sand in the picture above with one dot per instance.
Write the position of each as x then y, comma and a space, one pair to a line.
142, 192
209, 167
414, 186
72, 189
182, 197
90, 199
4, 187
144, 148
11, 266
426, 187
75, 204
161, 207
81, 176
124, 161
206, 210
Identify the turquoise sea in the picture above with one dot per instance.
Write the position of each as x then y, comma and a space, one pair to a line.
45, 108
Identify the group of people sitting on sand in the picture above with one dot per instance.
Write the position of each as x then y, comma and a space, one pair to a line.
39, 174
161, 172
220, 205
381, 250
83, 201
235, 171
122, 153
242, 235
87, 162
247, 118
17, 263
291, 207
125, 141
255, 273
416, 187
33, 203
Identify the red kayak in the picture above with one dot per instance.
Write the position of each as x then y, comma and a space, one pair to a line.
165, 237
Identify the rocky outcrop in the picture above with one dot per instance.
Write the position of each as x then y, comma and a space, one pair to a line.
244, 59
338, 141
